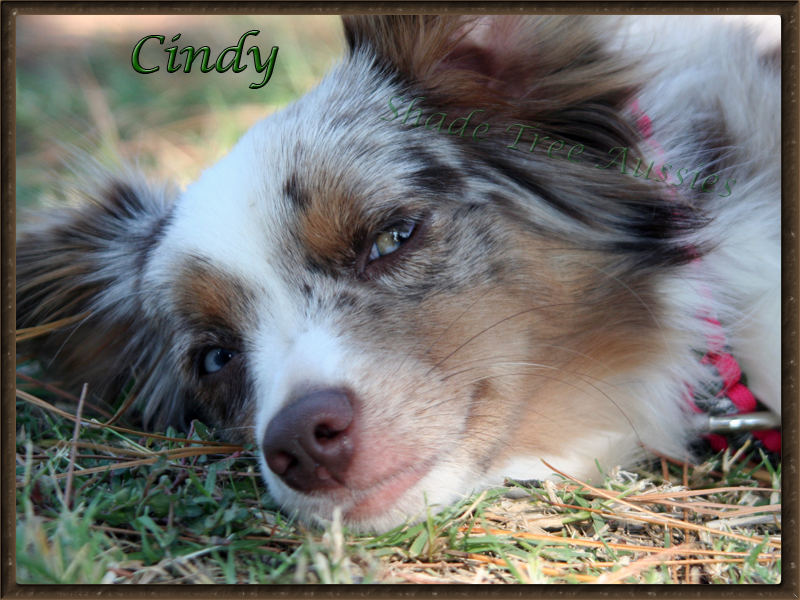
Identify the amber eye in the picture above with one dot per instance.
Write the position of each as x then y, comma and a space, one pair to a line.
390, 240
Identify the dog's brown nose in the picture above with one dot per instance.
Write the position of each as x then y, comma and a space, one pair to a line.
308, 443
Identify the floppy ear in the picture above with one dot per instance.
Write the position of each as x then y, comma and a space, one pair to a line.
554, 71
83, 265
561, 77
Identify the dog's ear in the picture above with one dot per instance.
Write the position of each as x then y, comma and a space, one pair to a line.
566, 78
81, 267
525, 67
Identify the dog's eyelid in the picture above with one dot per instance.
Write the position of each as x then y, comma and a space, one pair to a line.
401, 235
212, 359
389, 241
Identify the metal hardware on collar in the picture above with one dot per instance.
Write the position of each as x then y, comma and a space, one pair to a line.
722, 429
738, 422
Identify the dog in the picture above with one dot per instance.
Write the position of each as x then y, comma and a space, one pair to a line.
479, 248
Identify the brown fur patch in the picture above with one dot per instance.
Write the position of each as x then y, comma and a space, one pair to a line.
528, 357
218, 309
553, 71
330, 228
209, 300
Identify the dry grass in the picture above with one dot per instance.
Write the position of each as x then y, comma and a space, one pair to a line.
644, 527
99, 501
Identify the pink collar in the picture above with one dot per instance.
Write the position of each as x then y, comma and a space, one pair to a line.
733, 395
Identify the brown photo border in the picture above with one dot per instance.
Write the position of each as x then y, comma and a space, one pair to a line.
789, 252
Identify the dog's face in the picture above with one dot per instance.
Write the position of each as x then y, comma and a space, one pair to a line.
391, 313
363, 272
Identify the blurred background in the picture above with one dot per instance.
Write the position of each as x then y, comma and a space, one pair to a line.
77, 89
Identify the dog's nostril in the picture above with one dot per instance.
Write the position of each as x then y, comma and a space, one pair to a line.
324, 432
280, 462
309, 443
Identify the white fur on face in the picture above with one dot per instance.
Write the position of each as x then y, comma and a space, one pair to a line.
237, 218
549, 311
307, 358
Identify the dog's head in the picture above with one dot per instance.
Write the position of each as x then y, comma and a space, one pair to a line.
391, 306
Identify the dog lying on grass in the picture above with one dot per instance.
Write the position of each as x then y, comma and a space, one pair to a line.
477, 244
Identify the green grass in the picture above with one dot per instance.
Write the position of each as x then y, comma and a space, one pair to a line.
170, 513
83, 91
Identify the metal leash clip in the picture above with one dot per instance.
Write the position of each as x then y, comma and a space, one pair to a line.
739, 422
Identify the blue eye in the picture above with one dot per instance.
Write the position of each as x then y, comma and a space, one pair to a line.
390, 240
215, 359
